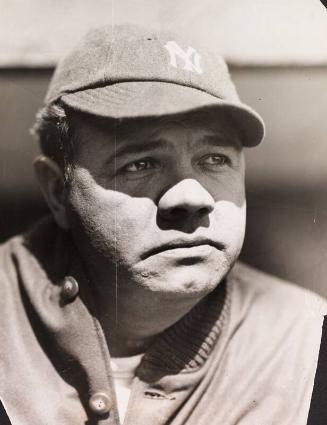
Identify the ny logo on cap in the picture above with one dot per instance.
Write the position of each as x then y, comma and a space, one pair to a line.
190, 57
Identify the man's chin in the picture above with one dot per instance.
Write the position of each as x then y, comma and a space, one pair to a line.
184, 277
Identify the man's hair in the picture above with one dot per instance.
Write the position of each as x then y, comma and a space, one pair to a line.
54, 132
57, 135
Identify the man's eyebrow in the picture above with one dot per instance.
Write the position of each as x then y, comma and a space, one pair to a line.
139, 148
222, 140
162, 144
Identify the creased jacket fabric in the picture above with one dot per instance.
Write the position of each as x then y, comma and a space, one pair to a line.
245, 355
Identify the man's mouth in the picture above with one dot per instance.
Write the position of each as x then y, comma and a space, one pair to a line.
187, 248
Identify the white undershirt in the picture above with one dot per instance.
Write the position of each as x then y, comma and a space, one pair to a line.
123, 370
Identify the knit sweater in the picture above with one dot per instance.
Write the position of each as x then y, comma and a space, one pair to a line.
245, 355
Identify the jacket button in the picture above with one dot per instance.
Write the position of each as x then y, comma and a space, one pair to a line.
100, 403
69, 288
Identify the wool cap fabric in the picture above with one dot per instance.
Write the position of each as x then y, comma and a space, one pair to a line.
129, 72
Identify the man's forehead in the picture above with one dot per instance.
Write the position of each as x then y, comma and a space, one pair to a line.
204, 126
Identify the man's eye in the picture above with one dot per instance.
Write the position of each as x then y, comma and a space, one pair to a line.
141, 165
214, 160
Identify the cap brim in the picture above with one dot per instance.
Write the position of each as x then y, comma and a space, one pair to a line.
153, 98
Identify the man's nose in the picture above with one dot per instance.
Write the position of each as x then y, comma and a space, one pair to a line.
186, 198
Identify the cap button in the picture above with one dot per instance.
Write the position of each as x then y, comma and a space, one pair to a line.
69, 289
100, 403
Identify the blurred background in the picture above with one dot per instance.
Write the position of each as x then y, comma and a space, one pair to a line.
277, 53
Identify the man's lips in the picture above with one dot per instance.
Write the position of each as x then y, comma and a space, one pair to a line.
182, 244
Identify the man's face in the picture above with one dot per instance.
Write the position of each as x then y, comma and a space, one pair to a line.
160, 203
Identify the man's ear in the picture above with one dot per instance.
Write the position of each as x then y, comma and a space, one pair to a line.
51, 181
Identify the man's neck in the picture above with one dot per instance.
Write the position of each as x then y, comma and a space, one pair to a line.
130, 330
132, 317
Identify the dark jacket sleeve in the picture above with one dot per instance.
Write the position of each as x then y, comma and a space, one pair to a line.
318, 407
4, 420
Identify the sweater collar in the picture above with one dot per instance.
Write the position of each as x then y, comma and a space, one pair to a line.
185, 346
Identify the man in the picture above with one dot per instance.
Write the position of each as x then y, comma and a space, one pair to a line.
128, 305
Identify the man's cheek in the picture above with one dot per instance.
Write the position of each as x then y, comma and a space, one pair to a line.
230, 222
105, 223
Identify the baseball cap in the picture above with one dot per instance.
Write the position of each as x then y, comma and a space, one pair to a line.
127, 71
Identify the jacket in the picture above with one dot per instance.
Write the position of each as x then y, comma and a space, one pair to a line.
245, 355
